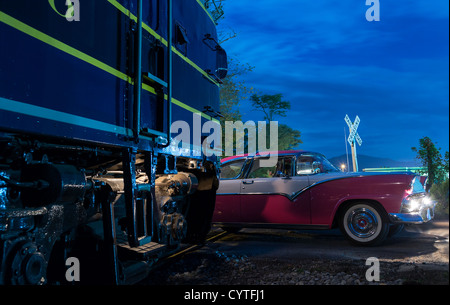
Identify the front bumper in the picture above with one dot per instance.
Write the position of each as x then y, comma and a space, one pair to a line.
416, 209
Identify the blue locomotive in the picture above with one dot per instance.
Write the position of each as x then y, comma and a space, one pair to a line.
89, 167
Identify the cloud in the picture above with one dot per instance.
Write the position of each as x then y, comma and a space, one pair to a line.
326, 59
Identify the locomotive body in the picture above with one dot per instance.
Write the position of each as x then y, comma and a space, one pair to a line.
88, 163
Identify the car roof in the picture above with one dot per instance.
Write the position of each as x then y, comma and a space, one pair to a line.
280, 153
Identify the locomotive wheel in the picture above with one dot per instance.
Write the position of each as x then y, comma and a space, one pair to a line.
27, 265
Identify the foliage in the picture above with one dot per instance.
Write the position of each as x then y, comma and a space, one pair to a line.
270, 105
440, 193
215, 8
234, 90
431, 158
445, 163
288, 138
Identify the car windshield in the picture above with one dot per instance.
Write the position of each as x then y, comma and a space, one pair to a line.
308, 164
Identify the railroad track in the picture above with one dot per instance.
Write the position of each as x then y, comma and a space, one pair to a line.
192, 248
179, 253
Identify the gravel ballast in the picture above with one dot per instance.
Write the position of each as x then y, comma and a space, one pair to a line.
205, 268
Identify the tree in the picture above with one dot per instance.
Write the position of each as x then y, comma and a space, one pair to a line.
288, 138
431, 158
440, 193
270, 105
234, 90
446, 169
215, 7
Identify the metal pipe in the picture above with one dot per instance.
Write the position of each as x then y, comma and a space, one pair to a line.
38, 184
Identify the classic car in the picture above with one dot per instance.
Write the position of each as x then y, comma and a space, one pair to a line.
305, 191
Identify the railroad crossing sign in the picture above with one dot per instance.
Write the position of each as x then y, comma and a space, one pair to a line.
353, 130
354, 137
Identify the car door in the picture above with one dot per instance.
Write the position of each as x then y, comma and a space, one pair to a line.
228, 200
268, 195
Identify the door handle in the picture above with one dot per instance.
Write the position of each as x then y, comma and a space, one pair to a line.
248, 182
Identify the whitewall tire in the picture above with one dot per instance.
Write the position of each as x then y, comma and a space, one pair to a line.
364, 224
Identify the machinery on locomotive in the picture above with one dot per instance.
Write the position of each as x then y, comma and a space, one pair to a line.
88, 163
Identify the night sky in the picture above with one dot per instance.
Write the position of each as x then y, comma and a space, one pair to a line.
329, 61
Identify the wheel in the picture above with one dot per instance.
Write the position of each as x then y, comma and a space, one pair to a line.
364, 224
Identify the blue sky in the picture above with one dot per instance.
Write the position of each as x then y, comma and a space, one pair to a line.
329, 61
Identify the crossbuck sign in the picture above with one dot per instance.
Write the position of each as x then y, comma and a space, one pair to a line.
354, 137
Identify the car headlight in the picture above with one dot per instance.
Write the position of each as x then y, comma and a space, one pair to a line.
416, 202
413, 205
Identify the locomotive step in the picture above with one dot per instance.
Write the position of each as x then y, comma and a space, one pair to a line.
143, 252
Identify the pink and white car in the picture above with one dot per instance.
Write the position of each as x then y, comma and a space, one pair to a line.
305, 191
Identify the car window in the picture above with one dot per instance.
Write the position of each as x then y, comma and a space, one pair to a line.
313, 164
231, 170
325, 166
304, 165
281, 169
258, 171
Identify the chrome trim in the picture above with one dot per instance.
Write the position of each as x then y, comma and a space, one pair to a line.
292, 196
399, 218
256, 193
281, 226
423, 216
295, 195
225, 194
415, 209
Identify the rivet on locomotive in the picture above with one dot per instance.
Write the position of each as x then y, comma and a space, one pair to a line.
88, 165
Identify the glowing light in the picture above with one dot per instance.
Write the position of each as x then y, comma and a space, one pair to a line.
414, 205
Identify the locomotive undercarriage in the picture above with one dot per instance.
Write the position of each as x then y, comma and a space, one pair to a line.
60, 200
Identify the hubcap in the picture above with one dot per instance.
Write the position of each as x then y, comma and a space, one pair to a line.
362, 223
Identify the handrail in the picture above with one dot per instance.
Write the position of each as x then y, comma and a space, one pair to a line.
169, 82
169, 71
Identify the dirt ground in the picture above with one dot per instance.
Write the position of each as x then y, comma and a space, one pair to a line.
203, 268
417, 256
